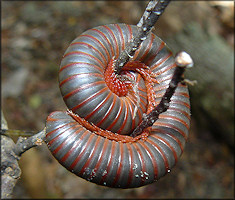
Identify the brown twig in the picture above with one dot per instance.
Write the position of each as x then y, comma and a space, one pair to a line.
24, 144
152, 12
182, 60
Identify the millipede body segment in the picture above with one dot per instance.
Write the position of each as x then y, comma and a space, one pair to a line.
99, 99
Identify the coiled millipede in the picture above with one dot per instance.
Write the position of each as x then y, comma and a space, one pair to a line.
92, 138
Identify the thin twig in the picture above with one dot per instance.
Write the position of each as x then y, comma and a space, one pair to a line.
182, 60
152, 12
24, 144
13, 132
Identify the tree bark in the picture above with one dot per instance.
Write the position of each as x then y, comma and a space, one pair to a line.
10, 170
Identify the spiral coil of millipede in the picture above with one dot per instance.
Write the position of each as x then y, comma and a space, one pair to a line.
92, 139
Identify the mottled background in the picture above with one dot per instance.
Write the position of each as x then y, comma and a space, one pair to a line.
35, 35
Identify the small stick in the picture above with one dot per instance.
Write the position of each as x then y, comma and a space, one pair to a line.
152, 12
24, 144
13, 132
182, 60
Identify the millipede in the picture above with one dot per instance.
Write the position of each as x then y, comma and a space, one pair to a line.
92, 138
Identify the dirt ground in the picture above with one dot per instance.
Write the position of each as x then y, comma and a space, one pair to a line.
35, 35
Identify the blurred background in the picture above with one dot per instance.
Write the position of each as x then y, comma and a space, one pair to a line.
35, 35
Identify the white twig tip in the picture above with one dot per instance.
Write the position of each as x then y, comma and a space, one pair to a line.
183, 59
